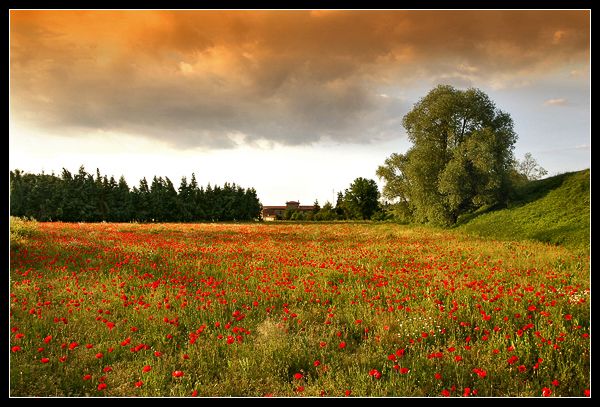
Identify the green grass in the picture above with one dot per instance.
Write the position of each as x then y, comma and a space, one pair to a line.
262, 309
554, 210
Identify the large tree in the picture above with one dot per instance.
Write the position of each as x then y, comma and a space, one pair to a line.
361, 200
460, 160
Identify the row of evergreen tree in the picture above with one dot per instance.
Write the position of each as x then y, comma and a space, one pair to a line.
83, 197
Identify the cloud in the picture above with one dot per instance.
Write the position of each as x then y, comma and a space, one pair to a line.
556, 102
215, 79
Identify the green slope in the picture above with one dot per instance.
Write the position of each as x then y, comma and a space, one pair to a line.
554, 210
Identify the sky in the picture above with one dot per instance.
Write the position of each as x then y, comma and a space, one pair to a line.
294, 103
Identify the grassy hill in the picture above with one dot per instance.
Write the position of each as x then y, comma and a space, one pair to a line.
554, 210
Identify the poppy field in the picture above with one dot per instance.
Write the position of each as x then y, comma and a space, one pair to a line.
293, 310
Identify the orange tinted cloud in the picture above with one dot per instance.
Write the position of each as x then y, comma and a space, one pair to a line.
202, 78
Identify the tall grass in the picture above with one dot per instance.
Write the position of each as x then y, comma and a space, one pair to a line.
294, 310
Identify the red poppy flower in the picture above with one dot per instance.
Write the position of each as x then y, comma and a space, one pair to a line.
73, 345
107, 369
195, 393
458, 358
186, 356
19, 335
62, 359
298, 376
87, 377
15, 348
404, 370
40, 350
45, 360
480, 372
555, 383
99, 355
322, 344
587, 393
48, 338
546, 392
158, 354
177, 373
146, 369
438, 376
89, 346
522, 368
316, 363
347, 393
139, 383
230, 340
342, 345
466, 392
375, 373
445, 393
300, 389
101, 386
512, 360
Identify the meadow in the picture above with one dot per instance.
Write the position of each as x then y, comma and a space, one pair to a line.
293, 310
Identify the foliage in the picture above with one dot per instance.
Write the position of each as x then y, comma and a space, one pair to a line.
83, 197
361, 200
461, 158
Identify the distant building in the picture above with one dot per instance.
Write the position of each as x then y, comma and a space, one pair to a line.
276, 212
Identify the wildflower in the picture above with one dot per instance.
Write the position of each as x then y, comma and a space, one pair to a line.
375, 373
177, 373
107, 369
522, 368
146, 369
15, 348
480, 372
511, 360
555, 383
445, 393
47, 338
349, 392
45, 360
101, 386
438, 376
87, 377
139, 383
316, 363
546, 392
298, 376
99, 355
404, 370
195, 393
342, 345
466, 392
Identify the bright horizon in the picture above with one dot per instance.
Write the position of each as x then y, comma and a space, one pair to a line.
296, 104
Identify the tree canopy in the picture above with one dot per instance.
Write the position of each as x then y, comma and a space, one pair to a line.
89, 198
461, 158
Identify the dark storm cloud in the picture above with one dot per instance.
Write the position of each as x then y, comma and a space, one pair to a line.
214, 78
